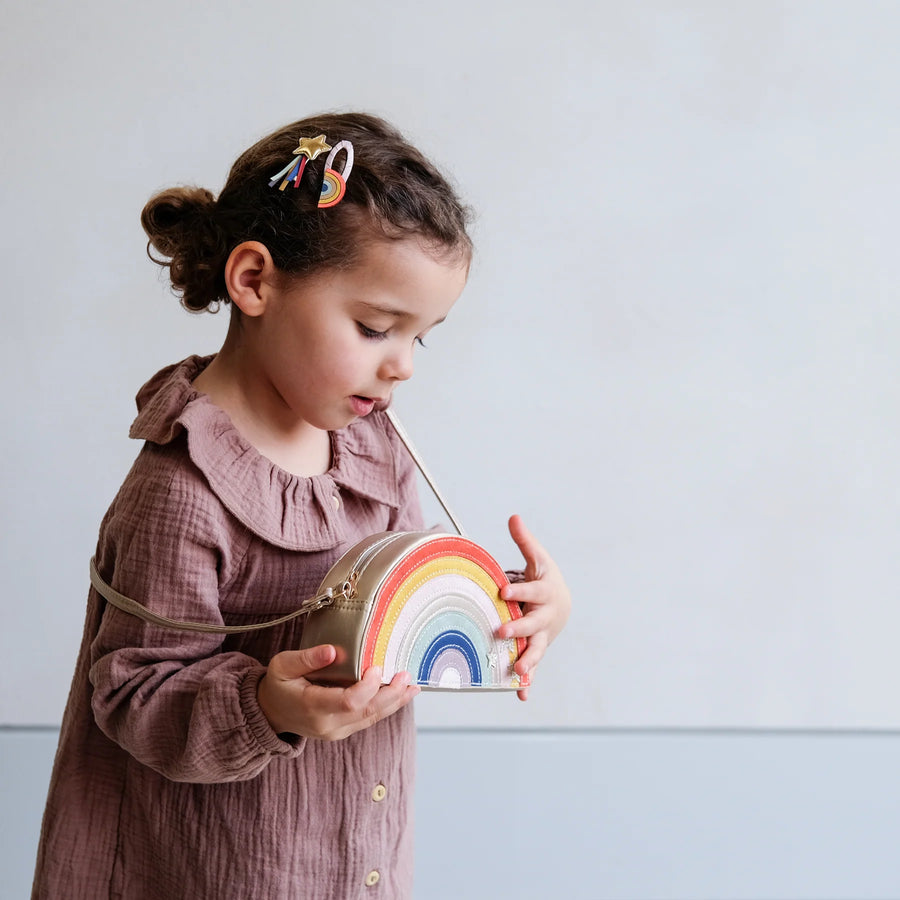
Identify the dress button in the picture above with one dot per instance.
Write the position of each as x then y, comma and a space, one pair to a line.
372, 878
336, 500
379, 792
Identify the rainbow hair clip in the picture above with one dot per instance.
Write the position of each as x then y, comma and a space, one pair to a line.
334, 182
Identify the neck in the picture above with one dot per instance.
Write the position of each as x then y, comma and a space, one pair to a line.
237, 384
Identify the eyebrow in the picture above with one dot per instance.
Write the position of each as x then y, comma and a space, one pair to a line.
396, 313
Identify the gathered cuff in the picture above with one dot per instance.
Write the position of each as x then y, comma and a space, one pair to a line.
288, 745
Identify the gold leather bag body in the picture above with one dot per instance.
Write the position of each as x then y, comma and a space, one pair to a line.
421, 602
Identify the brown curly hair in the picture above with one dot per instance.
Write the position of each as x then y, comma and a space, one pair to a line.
393, 192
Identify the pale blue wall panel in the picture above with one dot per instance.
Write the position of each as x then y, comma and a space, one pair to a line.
607, 815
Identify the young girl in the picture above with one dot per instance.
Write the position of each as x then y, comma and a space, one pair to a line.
192, 766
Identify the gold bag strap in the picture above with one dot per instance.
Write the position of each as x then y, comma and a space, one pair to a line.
417, 459
126, 604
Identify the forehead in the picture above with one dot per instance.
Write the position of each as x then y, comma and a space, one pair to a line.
405, 277
409, 255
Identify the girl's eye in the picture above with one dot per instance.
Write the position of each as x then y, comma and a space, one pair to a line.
371, 333
420, 342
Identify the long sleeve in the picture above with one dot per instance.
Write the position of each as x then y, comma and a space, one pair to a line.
173, 699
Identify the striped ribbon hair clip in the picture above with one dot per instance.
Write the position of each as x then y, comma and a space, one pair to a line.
334, 182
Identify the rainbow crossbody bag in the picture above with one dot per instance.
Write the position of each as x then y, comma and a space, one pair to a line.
414, 601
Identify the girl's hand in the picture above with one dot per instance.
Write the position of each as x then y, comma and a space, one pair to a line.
545, 601
294, 704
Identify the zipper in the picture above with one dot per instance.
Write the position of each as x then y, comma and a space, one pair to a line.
348, 588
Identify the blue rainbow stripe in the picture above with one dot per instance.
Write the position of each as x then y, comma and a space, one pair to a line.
454, 640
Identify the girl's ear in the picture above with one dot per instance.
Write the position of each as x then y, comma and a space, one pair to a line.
249, 271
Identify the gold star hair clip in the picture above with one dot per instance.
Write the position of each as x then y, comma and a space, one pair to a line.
334, 183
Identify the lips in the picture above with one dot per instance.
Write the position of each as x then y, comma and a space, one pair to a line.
362, 406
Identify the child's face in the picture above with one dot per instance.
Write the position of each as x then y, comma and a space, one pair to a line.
334, 345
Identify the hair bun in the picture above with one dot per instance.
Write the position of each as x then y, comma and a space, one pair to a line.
180, 224
171, 213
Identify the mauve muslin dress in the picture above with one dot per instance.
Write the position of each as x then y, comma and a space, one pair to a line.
169, 782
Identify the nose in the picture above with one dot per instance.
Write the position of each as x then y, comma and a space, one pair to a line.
398, 365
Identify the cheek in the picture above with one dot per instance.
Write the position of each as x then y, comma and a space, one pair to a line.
343, 370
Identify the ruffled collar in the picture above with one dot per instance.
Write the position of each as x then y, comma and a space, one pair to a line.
287, 510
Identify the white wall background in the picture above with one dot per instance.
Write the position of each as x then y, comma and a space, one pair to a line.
676, 355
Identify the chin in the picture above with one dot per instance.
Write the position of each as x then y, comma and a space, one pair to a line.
343, 421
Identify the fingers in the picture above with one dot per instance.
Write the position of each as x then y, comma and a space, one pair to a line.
393, 697
291, 664
534, 652
544, 596
535, 620
525, 592
341, 712
534, 553
362, 708
365, 693
527, 676
533, 627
